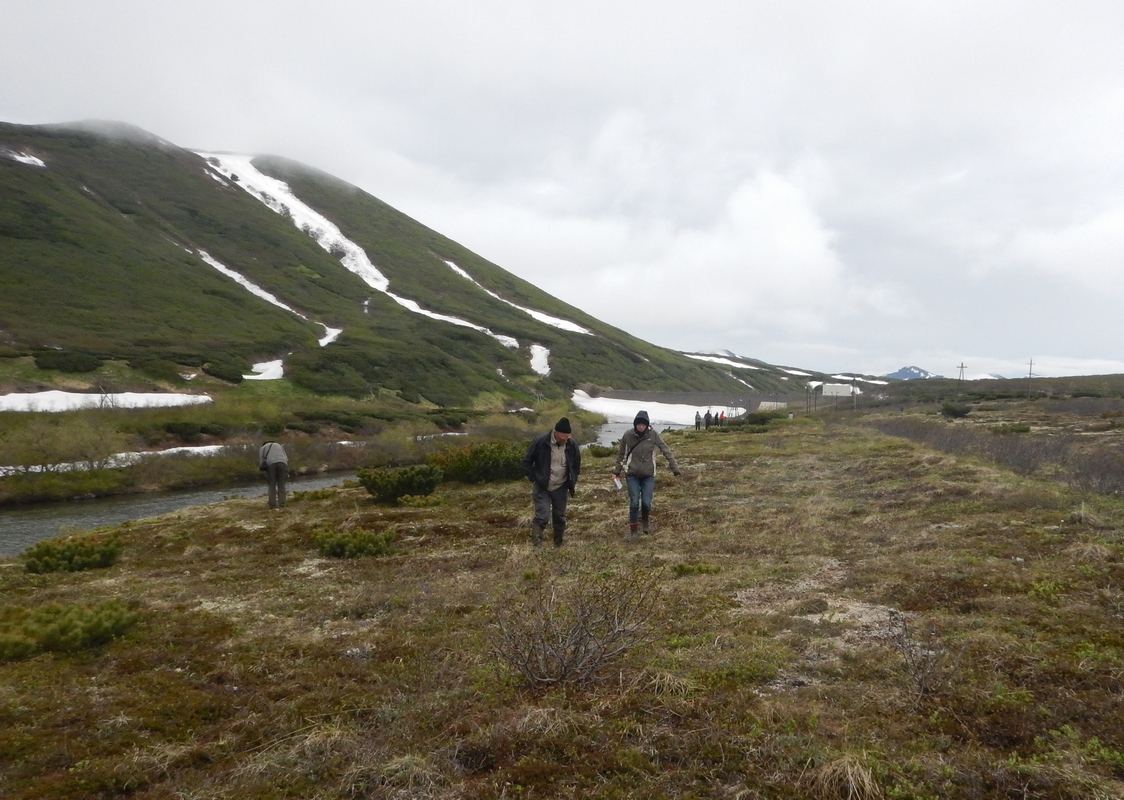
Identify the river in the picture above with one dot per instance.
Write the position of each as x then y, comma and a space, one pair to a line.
21, 526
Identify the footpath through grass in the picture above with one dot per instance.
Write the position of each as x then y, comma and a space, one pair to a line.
823, 611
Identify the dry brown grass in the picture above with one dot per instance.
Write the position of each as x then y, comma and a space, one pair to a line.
772, 666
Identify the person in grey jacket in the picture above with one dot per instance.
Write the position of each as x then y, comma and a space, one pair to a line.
552, 464
636, 456
275, 463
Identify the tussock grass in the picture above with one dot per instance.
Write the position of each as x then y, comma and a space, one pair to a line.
830, 612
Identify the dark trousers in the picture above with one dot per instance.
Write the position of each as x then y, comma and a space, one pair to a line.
276, 473
550, 505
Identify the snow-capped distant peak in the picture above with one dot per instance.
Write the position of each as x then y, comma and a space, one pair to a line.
911, 374
22, 158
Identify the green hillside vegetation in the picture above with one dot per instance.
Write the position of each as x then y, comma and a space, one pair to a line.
822, 611
99, 252
384, 427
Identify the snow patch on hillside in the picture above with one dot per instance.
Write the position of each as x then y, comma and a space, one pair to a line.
857, 378
279, 197
625, 410
546, 319
719, 360
267, 371
55, 400
330, 334
23, 158
540, 359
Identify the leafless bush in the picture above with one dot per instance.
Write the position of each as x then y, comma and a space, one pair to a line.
1097, 471
569, 632
924, 660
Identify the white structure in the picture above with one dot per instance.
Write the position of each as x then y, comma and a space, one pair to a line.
769, 405
838, 390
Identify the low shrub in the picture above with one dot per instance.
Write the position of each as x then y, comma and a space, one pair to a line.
572, 632
1010, 427
955, 410
66, 361
223, 371
387, 484
61, 628
601, 450
327, 493
481, 463
352, 543
72, 555
754, 419
187, 431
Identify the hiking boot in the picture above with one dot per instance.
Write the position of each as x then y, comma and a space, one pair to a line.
536, 534
558, 536
645, 524
633, 530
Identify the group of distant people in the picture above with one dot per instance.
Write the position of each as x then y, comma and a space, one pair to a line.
552, 463
705, 421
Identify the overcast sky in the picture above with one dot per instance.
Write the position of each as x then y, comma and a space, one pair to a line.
835, 186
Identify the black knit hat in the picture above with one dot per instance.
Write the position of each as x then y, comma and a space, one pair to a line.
562, 426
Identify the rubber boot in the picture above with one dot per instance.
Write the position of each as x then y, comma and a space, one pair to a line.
536, 534
558, 536
645, 524
634, 530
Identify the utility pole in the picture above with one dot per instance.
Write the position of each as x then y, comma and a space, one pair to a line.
960, 381
1029, 376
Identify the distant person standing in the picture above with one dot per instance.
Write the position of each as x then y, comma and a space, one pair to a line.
721, 419
706, 419
552, 464
275, 464
698, 421
636, 456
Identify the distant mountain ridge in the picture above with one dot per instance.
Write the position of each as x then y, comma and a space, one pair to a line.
911, 374
117, 243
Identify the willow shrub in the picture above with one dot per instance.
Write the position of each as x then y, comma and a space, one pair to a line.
72, 555
480, 463
61, 628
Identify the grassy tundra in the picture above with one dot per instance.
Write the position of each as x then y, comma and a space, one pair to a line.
823, 610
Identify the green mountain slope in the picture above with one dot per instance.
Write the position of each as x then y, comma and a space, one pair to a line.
103, 231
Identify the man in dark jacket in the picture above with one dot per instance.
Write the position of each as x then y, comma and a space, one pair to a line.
552, 464
636, 456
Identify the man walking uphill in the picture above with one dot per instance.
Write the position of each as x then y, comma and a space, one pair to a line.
637, 455
552, 464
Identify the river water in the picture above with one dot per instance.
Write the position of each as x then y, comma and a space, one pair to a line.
21, 526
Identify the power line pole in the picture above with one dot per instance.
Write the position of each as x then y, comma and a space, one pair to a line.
960, 380
1029, 376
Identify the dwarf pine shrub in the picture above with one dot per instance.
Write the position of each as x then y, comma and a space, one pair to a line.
601, 450
61, 628
387, 484
352, 543
481, 463
72, 555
